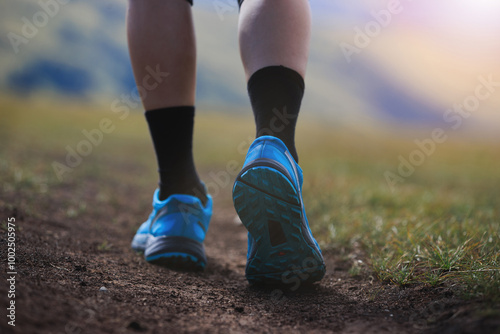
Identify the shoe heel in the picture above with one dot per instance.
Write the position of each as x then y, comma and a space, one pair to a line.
176, 253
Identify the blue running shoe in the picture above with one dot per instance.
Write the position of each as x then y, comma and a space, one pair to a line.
267, 197
174, 233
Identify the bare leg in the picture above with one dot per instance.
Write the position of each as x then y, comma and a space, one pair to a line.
161, 33
274, 32
274, 45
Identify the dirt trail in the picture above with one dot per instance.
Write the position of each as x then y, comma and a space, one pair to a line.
65, 258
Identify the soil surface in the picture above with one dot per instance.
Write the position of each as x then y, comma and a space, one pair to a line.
76, 273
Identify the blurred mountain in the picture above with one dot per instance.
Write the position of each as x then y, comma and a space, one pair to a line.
78, 48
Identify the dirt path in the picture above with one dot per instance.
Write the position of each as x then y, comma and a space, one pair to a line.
70, 252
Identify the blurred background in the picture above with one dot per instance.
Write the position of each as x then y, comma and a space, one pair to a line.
427, 58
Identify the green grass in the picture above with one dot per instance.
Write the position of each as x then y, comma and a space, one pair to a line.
441, 226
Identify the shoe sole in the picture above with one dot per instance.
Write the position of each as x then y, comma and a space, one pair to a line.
270, 208
177, 253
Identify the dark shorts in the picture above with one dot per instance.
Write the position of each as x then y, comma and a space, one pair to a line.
239, 2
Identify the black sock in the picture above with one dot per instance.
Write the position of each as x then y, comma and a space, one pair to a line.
276, 94
172, 133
